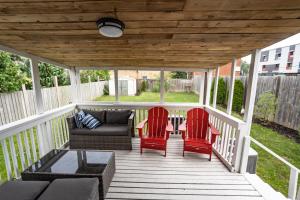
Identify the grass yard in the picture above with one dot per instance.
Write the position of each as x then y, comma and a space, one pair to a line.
178, 97
269, 168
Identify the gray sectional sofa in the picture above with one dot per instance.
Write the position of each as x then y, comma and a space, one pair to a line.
59, 189
114, 134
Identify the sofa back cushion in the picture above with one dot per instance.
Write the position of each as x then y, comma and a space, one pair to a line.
117, 116
100, 115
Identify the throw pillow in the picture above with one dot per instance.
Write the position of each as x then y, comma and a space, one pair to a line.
78, 119
90, 122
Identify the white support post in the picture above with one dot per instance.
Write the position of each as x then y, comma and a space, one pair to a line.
292, 193
208, 78
35, 74
231, 86
216, 87
162, 86
251, 88
90, 88
57, 90
116, 76
75, 84
201, 90
249, 107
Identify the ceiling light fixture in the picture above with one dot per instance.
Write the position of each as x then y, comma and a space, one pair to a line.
110, 27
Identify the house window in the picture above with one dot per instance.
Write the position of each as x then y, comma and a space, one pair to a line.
289, 65
264, 67
277, 56
264, 58
276, 66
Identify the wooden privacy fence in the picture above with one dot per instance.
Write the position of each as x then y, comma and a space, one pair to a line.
287, 91
18, 105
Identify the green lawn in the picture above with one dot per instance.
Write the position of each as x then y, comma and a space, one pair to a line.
269, 168
155, 97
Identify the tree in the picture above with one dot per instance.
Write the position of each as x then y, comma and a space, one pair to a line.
94, 74
238, 96
178, 75
244, 68
11, 76
48, 71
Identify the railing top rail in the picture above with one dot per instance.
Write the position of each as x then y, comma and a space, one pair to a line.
23, 124
139, 104
233, 121
274, 154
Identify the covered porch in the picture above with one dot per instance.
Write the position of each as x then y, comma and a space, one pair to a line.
163, 36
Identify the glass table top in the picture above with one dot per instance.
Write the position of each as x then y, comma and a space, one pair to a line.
71, 162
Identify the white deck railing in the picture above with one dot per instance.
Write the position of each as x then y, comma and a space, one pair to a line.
26, 140
294, 171
41, 133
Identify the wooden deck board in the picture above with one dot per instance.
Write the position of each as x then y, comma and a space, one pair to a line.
152, 176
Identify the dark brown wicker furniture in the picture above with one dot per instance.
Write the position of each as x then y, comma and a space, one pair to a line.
114, 134
58, 164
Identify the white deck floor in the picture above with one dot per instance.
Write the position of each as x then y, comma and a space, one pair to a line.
152, 176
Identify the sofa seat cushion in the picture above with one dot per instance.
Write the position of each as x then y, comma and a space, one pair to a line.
72, 189
22, 190
117, 116
103, 130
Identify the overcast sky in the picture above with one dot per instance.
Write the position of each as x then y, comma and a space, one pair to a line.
295, 39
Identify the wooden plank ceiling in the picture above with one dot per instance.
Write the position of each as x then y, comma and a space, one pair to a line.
159, 33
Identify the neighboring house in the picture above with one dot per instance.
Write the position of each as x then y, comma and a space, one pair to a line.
139, 74
225, 70
283, 60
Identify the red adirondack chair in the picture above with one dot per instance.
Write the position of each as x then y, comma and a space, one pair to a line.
195, 131
158, 130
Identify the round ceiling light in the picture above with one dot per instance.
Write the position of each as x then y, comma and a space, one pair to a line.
110, 27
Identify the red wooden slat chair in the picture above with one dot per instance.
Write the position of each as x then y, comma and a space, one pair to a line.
195, 131
158, 130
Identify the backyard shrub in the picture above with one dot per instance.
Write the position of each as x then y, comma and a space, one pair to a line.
144, 86
238, 96
156, 86
106, 90
265, 107
222, 92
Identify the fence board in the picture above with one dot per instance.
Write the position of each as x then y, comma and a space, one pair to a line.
18, 105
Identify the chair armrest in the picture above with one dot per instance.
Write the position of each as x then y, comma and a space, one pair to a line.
182, 129
140, 127
71, 123
131, 124
214, 133
169, 127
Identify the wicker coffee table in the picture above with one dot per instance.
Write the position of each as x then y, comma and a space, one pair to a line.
74, 164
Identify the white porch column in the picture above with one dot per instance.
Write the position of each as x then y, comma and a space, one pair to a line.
41, 131
75, 84
208, 78
216, 87
116, 76
231, 86
251, 88
249, 107
201, 90
35, 74
162, 86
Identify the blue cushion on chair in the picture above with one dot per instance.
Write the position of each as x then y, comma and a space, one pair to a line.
78, 119
90, 122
